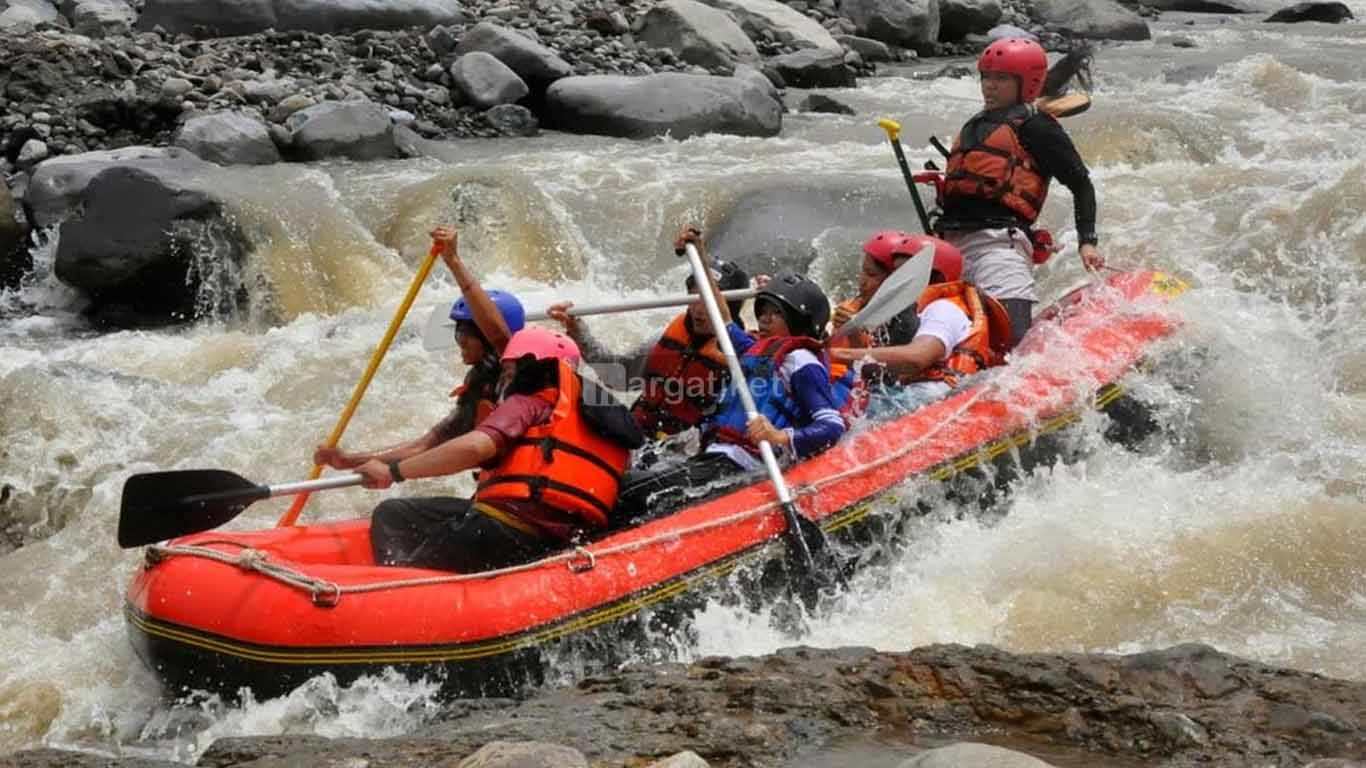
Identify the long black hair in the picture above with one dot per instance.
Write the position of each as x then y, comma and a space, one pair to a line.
532, 376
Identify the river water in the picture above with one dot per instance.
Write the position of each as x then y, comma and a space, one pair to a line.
1236, 164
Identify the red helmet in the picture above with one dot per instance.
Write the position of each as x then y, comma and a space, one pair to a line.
542, 344
885, 247
1018, 56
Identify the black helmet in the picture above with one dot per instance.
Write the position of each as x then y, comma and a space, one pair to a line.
729, 276
803, 303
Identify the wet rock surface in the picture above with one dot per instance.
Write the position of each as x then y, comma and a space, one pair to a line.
1184, 706
87, 75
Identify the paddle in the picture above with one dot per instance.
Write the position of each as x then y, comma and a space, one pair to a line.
893, 129
163, 505
804, 535
1066, 105
438, 337
900, 290
292, 514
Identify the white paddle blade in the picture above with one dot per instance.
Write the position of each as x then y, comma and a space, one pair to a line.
900, 290
438, 335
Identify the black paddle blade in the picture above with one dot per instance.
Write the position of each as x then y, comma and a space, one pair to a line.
810, 551
163, 505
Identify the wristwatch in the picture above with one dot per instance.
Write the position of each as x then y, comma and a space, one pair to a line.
394, 473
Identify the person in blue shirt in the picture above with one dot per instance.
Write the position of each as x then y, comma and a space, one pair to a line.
789, 379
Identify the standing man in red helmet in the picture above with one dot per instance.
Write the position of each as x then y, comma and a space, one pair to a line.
998, 175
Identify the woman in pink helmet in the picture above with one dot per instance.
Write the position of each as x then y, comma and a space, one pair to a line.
550, 455
998, 175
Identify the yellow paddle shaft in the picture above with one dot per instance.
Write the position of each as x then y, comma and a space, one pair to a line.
299, 501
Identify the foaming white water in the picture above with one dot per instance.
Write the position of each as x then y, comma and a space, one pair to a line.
1234, 528
1238, 529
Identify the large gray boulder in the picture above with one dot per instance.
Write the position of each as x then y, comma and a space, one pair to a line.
1211, 6
99, 18
1331, 13
906, 23
512, 120
671, 104
524, 754
867, 48
960, 18
771, 228
228, 138
537, 65
486, 81
240, 17
971, 755
151, 248
697, 34
813, 68
327, 16
227, 17
356, 130
746, 72
760, 18
1094, 19
57, 184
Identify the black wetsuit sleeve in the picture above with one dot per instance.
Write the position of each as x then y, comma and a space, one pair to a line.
594, 353
1050, 146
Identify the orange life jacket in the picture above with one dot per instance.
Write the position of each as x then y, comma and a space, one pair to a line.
988, 337
684, 376
563, 463
860, 339
998, 168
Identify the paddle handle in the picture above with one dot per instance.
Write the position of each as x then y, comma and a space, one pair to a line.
322, 484
437, 336
679, 300
893, 129
292, 515
259, 492
737, 374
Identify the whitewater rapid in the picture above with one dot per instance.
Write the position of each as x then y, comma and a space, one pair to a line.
1236, 164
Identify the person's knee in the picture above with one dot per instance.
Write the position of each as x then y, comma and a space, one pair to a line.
388, 512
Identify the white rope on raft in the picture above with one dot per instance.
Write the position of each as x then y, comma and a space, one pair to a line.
251, 559
322, 589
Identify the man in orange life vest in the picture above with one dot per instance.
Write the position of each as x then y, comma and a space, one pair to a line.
551, 456
683, 373
789, 379
484, 321
998, 175
958, 330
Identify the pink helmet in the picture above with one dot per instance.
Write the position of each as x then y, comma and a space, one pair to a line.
1018, 56
885, 247
542, 344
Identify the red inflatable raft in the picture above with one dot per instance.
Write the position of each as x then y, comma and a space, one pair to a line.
269, 609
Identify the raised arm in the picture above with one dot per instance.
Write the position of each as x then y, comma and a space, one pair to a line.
486, 314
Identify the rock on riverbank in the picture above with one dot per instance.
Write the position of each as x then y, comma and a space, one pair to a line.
1184, 706
101, 74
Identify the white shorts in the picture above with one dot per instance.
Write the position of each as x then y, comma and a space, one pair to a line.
999, 261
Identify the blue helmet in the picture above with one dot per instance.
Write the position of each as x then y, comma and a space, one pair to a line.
508, 306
